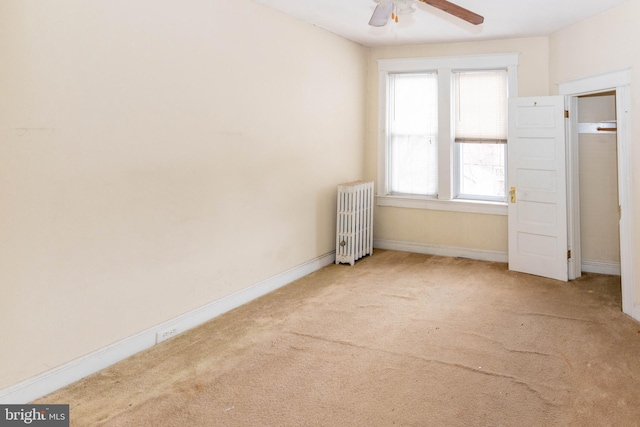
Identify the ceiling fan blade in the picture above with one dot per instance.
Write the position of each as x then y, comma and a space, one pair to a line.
455, 10
381, 14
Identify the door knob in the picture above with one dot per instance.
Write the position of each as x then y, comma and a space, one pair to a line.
512, 194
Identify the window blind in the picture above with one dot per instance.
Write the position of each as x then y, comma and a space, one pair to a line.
481, 106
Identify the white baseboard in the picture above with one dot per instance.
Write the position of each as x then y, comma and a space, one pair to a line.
451, 251
601, 267
588, 266
53, 379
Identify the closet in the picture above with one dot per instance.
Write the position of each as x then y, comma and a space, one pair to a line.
598, 169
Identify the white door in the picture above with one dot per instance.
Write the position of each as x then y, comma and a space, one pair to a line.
537, 184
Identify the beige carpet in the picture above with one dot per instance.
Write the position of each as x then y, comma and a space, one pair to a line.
398, 339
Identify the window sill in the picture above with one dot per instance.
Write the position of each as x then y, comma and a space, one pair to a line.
457, 205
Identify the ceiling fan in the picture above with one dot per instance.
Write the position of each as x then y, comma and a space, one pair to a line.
392, 8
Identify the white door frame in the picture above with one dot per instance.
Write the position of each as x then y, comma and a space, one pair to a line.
618, 81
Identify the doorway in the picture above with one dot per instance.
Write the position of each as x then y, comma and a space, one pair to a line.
598, 211
616, 83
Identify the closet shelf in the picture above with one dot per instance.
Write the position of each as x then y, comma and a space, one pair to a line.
609, 126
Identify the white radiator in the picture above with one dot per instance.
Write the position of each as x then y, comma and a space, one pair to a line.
354, 237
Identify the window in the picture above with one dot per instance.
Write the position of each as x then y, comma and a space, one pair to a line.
413, 133
443, 132
480, 112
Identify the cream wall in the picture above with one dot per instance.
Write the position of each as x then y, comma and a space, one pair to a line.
480, 232
599, 45
156, 156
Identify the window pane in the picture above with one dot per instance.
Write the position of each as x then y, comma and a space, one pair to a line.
413, 128
482, 170
414, 165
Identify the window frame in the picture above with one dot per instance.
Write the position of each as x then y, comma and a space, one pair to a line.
393, 80
458, 168
447, 153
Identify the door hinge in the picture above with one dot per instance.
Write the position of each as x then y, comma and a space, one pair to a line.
569, 254
566, 114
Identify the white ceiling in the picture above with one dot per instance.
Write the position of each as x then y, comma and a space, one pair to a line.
503, 19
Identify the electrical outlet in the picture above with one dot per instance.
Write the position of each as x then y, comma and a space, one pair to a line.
166, 334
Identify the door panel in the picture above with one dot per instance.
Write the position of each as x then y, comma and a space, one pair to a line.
536, 173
